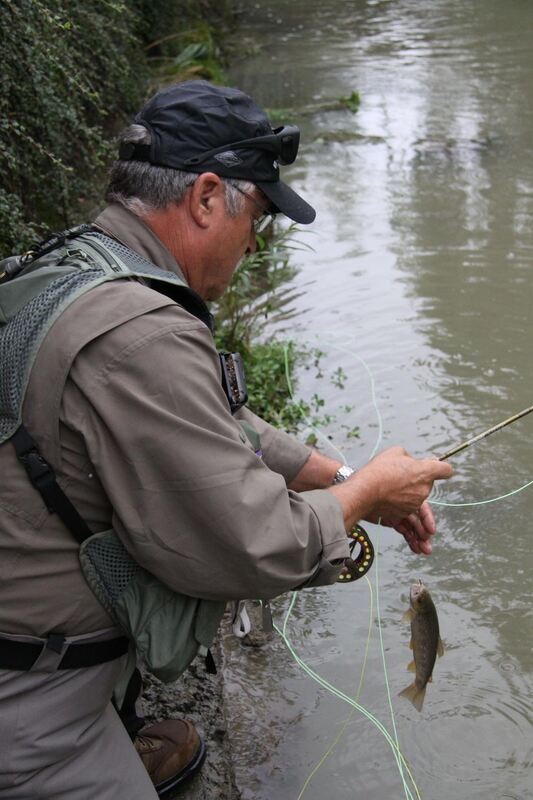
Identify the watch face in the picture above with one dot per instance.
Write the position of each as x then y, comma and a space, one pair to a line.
343, 473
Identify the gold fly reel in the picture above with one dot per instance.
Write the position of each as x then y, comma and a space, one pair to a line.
355, 568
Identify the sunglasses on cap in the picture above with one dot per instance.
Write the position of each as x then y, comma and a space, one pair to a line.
282, 142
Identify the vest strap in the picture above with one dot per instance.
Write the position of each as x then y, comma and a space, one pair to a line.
43, 478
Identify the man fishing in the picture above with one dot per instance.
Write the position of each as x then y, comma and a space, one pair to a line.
117, 414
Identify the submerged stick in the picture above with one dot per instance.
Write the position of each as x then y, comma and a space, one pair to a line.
488, 432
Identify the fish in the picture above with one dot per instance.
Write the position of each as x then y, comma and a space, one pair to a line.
425, 642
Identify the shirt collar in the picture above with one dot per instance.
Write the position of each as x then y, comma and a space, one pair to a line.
128, 228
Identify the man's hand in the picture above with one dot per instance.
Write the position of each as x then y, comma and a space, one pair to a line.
417, 529
394, 487
391, 489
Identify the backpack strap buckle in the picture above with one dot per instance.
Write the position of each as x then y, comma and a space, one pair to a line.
38, 470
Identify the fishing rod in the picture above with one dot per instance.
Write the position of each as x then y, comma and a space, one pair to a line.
488, 432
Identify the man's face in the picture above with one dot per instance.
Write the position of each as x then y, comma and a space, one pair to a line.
233, 238
206, 241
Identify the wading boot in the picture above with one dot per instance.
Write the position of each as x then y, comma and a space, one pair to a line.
171, 751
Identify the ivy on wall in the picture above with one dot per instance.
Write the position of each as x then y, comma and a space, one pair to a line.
73, 73
69, 72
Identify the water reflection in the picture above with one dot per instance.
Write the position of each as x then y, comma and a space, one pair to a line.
422, 257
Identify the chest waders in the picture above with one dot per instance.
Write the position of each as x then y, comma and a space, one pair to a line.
167, 629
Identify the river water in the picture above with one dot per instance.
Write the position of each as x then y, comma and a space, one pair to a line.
418, 291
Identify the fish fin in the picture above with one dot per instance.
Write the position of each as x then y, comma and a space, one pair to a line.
411, 667
408, 615
416, 696
440, 647
411, 645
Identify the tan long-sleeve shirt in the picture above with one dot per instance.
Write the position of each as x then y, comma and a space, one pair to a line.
146, 444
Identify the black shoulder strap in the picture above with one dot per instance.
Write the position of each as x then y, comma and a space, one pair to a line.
39, 471
43, 478
187, 298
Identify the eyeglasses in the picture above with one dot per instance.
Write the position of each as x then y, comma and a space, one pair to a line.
282, 142
262, 222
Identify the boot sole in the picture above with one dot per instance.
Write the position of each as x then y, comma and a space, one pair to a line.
185, 775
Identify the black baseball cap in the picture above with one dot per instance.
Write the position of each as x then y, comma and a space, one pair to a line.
198, 127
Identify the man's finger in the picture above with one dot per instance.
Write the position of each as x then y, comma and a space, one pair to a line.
441, 469
426, 518
413, 541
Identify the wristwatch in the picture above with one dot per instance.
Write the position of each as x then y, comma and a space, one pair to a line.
342, 473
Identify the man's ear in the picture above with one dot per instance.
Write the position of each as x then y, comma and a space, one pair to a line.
206, 198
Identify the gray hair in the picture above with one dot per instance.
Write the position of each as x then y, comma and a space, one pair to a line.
143, 188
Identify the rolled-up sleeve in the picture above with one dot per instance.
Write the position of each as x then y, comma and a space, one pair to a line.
191, 500
281, 452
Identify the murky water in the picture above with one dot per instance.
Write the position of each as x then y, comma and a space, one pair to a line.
422, 266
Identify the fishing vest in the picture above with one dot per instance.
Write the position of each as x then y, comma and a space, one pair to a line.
167, 629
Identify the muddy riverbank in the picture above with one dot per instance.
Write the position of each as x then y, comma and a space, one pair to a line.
218, 708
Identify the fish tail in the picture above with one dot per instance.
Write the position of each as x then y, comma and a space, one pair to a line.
415, 695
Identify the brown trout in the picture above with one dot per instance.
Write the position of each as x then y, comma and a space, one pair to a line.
425, 642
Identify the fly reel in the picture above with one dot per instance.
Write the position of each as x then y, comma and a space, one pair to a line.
355, 568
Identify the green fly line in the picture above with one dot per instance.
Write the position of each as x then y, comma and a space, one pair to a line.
349, 718
346, 698
481, 502
393, 742
355, 706
400, 761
